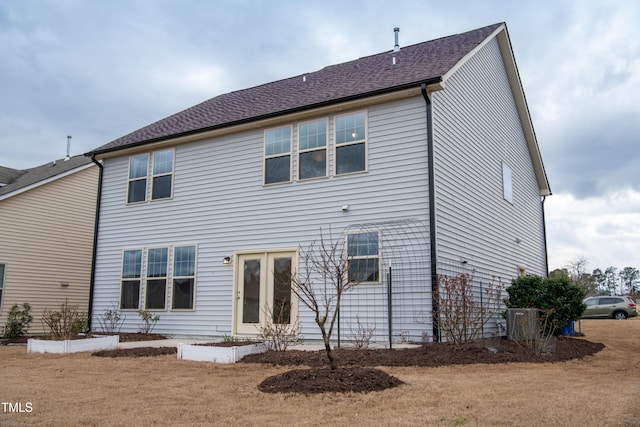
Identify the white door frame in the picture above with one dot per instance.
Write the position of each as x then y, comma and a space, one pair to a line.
266, 286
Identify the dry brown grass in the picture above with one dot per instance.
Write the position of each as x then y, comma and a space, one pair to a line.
601, 390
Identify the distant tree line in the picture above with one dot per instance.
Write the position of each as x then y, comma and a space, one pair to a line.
611, 281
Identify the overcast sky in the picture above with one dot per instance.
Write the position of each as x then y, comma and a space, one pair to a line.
97, 70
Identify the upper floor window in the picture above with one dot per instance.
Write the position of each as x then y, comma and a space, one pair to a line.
351, 143
363, 250
131, 278
312, 149
156, 285
161, 176
137, 190
277, 155
507, 183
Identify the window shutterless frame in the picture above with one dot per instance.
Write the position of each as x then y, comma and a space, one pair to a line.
155, 292
277, 155
131, 279
137, 178
364, 251
183, 288
151, 173
350, 143
312, 149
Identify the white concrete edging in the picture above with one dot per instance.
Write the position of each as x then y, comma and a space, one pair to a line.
217, 354
107, 342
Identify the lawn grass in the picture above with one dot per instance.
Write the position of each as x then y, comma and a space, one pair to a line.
78, 389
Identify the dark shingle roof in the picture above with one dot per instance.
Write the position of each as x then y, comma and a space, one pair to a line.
423, 62
27, 177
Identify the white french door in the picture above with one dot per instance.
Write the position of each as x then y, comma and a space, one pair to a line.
263, 290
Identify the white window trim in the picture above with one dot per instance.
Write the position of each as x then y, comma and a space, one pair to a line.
195, 276
379, 256
141, 278
153, 176
507, 183
148, 191
265, 157
147, 278
309, 150
365, 140
129, 180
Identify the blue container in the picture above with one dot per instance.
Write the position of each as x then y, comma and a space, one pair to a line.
568, 330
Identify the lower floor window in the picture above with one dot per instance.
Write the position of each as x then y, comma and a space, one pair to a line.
363, 250
184, 270
130, 295
150, 279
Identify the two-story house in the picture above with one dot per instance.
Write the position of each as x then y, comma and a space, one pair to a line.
422, 159
47, 218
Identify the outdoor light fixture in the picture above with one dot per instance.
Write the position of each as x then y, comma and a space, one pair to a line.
226, 260
64, 283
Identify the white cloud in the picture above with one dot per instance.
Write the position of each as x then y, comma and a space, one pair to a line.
605, 230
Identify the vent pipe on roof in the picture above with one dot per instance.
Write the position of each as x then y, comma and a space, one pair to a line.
396, 48
68, 156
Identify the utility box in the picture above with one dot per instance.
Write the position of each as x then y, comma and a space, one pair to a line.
522, 324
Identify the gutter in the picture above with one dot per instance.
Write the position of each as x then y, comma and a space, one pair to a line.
432, 216
95, 241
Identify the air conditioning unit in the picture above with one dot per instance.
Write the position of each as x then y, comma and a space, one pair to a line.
522, 324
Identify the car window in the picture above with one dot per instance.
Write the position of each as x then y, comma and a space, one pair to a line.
590, 302
610, 300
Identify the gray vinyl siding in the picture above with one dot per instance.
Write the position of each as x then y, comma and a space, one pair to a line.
220, 204
476, 128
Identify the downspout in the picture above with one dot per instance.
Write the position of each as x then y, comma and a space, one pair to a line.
95, 240
544, 236
432, 217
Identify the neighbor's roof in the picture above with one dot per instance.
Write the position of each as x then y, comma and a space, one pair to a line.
371, 75
17, 180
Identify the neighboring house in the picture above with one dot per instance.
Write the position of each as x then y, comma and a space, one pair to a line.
47, 218
422, 159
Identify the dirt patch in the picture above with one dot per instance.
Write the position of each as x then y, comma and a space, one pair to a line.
322, 380
136, 352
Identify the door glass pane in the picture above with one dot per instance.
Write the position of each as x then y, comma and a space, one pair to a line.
251, 292
282, 290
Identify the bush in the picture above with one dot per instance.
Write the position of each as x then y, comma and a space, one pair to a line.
559, 300
149, 321
111, 320
66, 322
18, 321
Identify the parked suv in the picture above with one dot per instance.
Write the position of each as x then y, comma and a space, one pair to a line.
615, 307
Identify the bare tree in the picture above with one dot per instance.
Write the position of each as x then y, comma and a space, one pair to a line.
322, 283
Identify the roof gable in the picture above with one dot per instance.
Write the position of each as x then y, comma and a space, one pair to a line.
367, 76
28, 178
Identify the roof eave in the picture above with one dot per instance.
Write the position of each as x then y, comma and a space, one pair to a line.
433, 83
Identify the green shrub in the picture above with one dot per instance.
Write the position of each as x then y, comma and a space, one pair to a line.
558, 299
18, 321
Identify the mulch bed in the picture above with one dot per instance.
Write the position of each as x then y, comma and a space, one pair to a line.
356, 375
124, 337
322, 380
136, 352
431, 354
